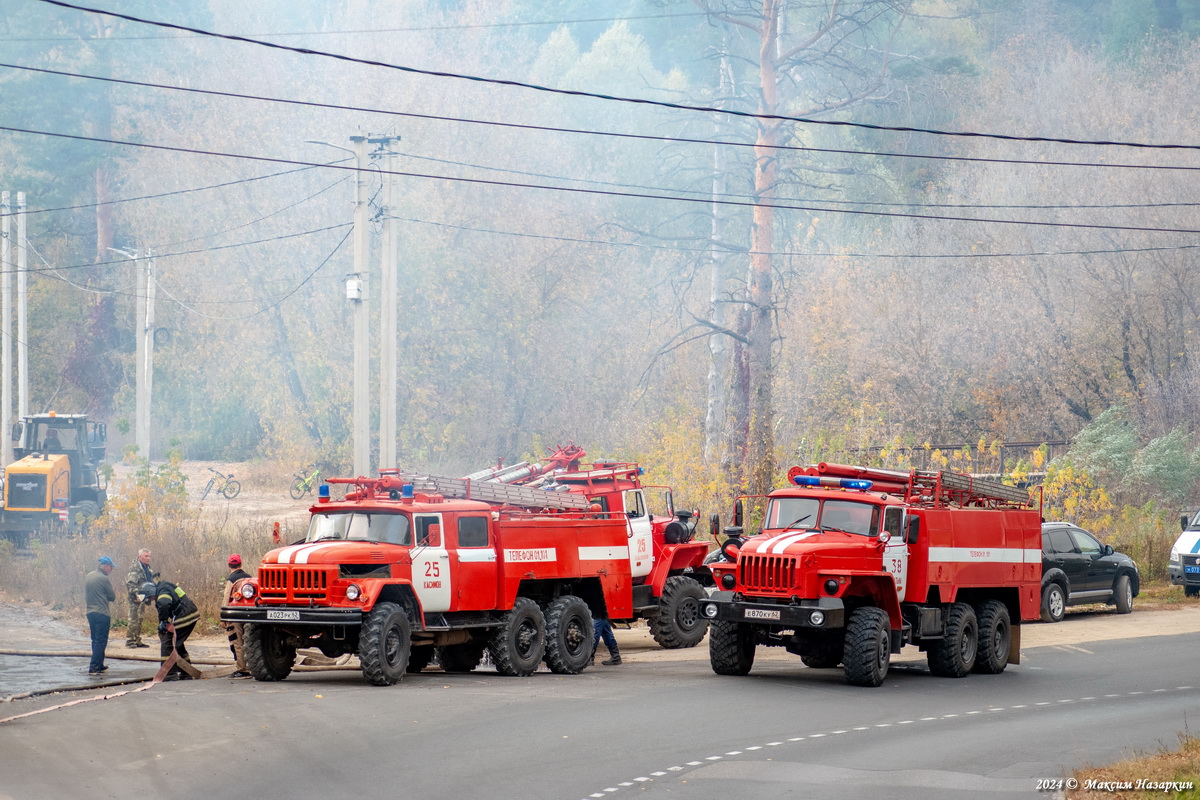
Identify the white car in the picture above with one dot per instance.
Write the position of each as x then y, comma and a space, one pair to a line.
1184, 566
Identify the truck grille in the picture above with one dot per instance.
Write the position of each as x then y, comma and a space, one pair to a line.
26, 491
759, 573
292, 584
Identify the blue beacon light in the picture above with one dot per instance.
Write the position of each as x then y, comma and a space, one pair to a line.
841, 483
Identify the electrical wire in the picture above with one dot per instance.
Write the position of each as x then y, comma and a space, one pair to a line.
617, 98
200, 250
577, 131
629, 195
414, 29
167, 194
186, 307
795, 253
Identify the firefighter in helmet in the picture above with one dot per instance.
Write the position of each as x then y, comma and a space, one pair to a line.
177, 618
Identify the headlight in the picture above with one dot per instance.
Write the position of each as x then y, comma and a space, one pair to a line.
831, 586
352, 592
728, 580
248, 591
1175, 557
710, 610
817, 618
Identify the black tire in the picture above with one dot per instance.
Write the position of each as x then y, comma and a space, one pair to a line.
298, 489
678, 623
518, 646
268, 656
954, 655
384, 644
1191, 591
1123, 595
824, 655
1054, 603
868, 650
207, 489
569, 635
731, 648
995, 637
419, 658
85, 514
231, 489
463, 657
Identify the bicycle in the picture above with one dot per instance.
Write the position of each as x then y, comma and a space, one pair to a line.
224, 484
303, 484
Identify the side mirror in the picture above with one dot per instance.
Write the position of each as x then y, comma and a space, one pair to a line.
1183, 520
739, 513
714, 525
18, 428
1108, 550
914, 530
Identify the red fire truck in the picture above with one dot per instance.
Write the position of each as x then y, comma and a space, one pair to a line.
854, 563
409, 565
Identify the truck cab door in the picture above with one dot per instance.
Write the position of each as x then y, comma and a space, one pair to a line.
473, 562
641, 536
895, 552
430, 563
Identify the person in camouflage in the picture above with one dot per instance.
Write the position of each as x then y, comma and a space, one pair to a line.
139, 572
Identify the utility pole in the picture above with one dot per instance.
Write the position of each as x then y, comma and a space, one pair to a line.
146, 381
22, 312
6, 325
388, 290
143, 331
362, 333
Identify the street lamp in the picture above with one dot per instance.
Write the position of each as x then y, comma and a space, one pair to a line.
358, 282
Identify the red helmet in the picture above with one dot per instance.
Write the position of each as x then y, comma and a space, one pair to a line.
235, 560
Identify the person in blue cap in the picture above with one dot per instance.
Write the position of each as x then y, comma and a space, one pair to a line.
98, 593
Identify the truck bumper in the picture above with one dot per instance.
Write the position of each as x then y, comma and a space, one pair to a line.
1181, 578
824, 613
292, 615
26, 520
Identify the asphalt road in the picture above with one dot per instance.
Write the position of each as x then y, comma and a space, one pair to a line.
662, 726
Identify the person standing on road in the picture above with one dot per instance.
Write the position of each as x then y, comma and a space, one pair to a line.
140, 572
235, 629
603, 628
177, 618
98, 594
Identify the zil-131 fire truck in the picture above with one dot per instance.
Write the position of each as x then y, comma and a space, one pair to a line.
854, 563
407, 566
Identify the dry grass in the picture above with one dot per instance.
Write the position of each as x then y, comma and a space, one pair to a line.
1164, 767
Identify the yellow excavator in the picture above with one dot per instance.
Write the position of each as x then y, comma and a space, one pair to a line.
55, 482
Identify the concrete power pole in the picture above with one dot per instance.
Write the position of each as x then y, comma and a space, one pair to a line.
6, 326
22, 312
143, 331
388, 289
356, 292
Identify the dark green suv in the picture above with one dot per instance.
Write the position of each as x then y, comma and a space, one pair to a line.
1077, 569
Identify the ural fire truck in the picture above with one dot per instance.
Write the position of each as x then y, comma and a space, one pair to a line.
407, 566
854, 563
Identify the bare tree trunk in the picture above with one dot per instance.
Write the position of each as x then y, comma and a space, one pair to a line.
761, 441
718, 347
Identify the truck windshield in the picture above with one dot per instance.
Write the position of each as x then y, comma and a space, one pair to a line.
357, 526
849, 516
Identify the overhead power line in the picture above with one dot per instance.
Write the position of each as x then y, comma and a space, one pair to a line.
794, 253
579, 131
611, 193
167, 194
409, 29
615, 98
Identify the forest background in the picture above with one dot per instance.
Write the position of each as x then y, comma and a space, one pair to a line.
712, 294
